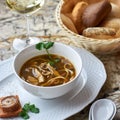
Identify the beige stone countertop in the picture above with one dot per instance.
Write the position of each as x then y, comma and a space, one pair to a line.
43, 23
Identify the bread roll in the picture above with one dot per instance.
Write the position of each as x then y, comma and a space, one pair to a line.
99, 32
118, 33
115, 12
67, 6
77, 15
111, 23
117, 2
95, 13
68, 23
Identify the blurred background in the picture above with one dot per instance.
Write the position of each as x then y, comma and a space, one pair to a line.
13, 24
41, 23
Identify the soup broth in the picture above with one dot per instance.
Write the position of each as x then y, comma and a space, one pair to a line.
40, 72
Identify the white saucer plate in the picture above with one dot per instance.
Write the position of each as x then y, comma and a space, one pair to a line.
62, 107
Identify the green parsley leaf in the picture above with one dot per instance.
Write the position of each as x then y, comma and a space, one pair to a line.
44, 45
48, 45
28, 108
34, 110
39, 46
24, 114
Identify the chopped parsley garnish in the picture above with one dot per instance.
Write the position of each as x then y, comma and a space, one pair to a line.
46, 46
28, 108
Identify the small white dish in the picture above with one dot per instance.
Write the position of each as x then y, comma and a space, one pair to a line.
102, 109
61, 108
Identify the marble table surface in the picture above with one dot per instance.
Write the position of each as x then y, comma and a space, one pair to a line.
43, 23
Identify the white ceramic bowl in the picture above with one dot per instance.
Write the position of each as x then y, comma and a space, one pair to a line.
54, 91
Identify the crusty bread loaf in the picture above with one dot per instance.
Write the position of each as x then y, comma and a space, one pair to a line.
99, 32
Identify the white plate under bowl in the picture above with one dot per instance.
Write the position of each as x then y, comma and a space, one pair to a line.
62, 107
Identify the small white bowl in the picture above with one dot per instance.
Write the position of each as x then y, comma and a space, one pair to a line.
54, 91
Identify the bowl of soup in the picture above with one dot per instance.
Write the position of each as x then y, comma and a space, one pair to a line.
48, 73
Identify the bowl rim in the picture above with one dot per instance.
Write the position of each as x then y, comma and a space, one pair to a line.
47, 87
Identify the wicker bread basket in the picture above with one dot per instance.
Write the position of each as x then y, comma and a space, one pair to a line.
102, 46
